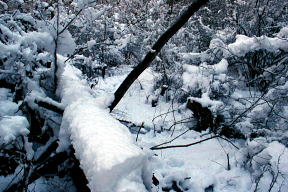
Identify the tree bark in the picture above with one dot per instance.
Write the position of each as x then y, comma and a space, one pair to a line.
156, 48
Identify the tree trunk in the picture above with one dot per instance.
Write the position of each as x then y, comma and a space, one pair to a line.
164, 38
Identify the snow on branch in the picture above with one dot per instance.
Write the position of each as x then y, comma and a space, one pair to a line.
245, 44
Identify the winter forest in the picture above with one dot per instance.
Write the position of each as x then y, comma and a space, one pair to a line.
143, 95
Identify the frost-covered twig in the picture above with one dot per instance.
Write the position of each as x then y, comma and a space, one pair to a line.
73, 19
275, 177
248, 109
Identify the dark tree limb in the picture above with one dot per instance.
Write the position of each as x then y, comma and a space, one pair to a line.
37, 117
48, 151
49, 168
156, 48
39, 171
50, 106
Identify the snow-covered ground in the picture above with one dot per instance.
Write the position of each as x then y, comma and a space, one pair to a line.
114, 160
136, 105
213, 165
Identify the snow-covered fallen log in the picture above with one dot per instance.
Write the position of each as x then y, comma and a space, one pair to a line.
104, 147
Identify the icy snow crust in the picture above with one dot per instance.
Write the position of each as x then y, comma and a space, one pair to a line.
104, 146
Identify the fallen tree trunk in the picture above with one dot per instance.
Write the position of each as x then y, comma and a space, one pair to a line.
104, 147
156, 48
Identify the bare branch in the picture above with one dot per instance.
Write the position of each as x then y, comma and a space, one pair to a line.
156, 48
186, 145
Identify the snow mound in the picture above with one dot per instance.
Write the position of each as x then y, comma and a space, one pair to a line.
4, 93
8, 108
11, 127
104, 146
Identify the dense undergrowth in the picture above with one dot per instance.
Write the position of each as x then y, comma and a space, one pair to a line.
224, 74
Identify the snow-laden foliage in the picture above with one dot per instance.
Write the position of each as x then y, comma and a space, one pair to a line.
219, 84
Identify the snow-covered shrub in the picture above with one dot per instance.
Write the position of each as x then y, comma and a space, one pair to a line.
27, 69
266, 163
241, 82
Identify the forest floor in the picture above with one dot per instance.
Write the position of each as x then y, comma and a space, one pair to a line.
212, 165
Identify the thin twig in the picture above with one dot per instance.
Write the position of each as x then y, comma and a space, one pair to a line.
185, 145
142, 125
157, 147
